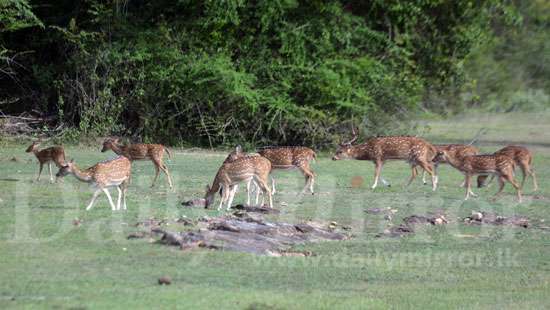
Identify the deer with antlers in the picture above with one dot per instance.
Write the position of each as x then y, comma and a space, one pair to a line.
55, 154
230, 174
141, 151
500, 165
105, 174
416, 151
291, 157
522, 157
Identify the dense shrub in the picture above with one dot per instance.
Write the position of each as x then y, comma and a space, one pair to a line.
267, 72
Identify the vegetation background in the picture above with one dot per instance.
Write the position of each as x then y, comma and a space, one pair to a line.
211, 73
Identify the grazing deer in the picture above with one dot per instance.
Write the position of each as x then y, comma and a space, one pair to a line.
500, 165
291, 157
110, 173
237, 154
522, 157
140, 151
54, 154
457, 151
415, 150
244, 169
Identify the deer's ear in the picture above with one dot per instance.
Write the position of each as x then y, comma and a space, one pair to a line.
238, 148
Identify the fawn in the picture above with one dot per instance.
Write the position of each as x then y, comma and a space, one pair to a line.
110, 173
501, 165
291, 157
55, 154
243, 169
522, 157
140, 151
415, 150
458, 151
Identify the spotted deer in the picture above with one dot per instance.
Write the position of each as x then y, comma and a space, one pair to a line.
500, 165
522, 157
230, 174
141, 151
291, 157
457, 151
55, 154
250, 185
416, 151
110, 173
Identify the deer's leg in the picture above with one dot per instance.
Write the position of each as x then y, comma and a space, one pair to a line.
248, 189
232, 191
40, 171
119, 200
436, 173
468, 181
124, 190
156, 173
106, 191
515, 184
94, 197
524, 168
310, 177
165, 169
258, 192
50, 170
273, 191
224, 196
265, 189
532, 172
413, 174
424, 177
377, 169
428, 168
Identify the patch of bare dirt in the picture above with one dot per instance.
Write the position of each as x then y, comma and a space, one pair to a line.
250, 233
409, 224
479, 218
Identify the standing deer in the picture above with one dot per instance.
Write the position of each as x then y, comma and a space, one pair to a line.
457, 151
54, 154
140, 151
500, 165
522, 157
244, 169
291, 157
415, 150
110, 173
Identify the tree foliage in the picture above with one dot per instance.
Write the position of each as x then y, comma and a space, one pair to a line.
213, 72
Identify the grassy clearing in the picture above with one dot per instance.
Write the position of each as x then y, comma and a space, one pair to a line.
46, 261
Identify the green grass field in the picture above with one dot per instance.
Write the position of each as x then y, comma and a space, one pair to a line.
48, 262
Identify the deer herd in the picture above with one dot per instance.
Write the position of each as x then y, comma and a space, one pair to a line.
255, 169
